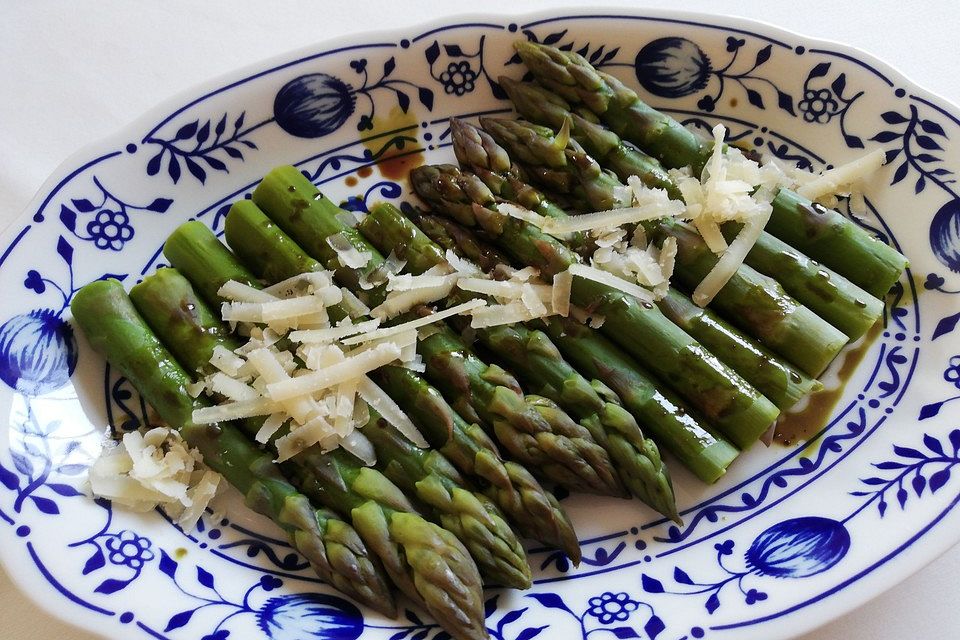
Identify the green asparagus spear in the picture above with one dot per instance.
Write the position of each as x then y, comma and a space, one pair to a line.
831, 296
194, 250
672, 424
742, 354
115, 329
450, 236
532, 356
426, 561
786, 327
751, 299
312, 220
721, 394
478, 152
192, 336
537, 435
776, 379
820, 233
534, 511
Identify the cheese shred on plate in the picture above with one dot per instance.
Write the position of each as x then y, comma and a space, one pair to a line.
151, 469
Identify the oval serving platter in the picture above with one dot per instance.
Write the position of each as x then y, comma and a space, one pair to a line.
790, 538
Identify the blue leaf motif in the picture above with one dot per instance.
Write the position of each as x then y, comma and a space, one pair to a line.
933, 444
400, 635
426, 97
624, 633
420, 635
549, 600
819, 71
65, 250
512, 616
892, 117
187, 130
932, 127
928, 143
713, 603
530, 632
94, 562
651, 585
203, 133
679, 575
167, 564
432, 52
65, 490
22, 463
48, 506
930, 410
954, 438
68, 217
173, 168
902, 496
946, 325
160, 205
919, 483
654, 627
939, 479
9, 478
83, 205
195, 169
153, 166
908, 452
111, 586
179, 620
204, 577
389, 66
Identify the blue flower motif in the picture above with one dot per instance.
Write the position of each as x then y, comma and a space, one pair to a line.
301, 616
128, 549
945, 234
952, 373
313, 105
799, 548
459, 78
37, 351
724, 548
818, 105
269, 583
110, 229
612, 607
34, 282
672, 67
753, 596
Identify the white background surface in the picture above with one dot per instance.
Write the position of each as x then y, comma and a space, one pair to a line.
71, 74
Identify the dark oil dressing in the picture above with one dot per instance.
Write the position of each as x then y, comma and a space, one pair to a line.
396, 163
801, 425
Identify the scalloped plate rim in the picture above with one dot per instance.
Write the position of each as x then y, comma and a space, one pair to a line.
829, 607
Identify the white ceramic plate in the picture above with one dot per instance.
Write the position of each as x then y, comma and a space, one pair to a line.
789, 539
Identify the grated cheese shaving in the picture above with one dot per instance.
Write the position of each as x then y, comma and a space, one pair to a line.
151, 469
607, 278
414, 324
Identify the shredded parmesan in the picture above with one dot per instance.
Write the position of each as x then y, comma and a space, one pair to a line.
414, 324
348, 255
560, 293
607, 278
151, 469
351, 367
839, 179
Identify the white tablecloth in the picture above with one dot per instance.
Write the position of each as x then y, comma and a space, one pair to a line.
71, 73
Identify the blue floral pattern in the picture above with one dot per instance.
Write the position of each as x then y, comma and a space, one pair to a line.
736, 558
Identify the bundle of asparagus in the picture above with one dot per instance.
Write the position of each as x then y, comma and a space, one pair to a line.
568, 403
